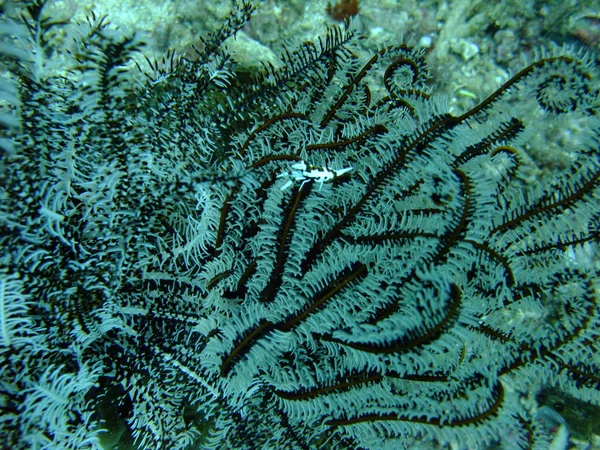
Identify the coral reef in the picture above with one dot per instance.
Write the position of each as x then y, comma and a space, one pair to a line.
318, 255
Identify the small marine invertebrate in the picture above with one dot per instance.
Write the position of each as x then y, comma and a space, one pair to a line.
305, 173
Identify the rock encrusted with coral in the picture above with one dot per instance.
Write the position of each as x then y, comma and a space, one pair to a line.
318, 257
